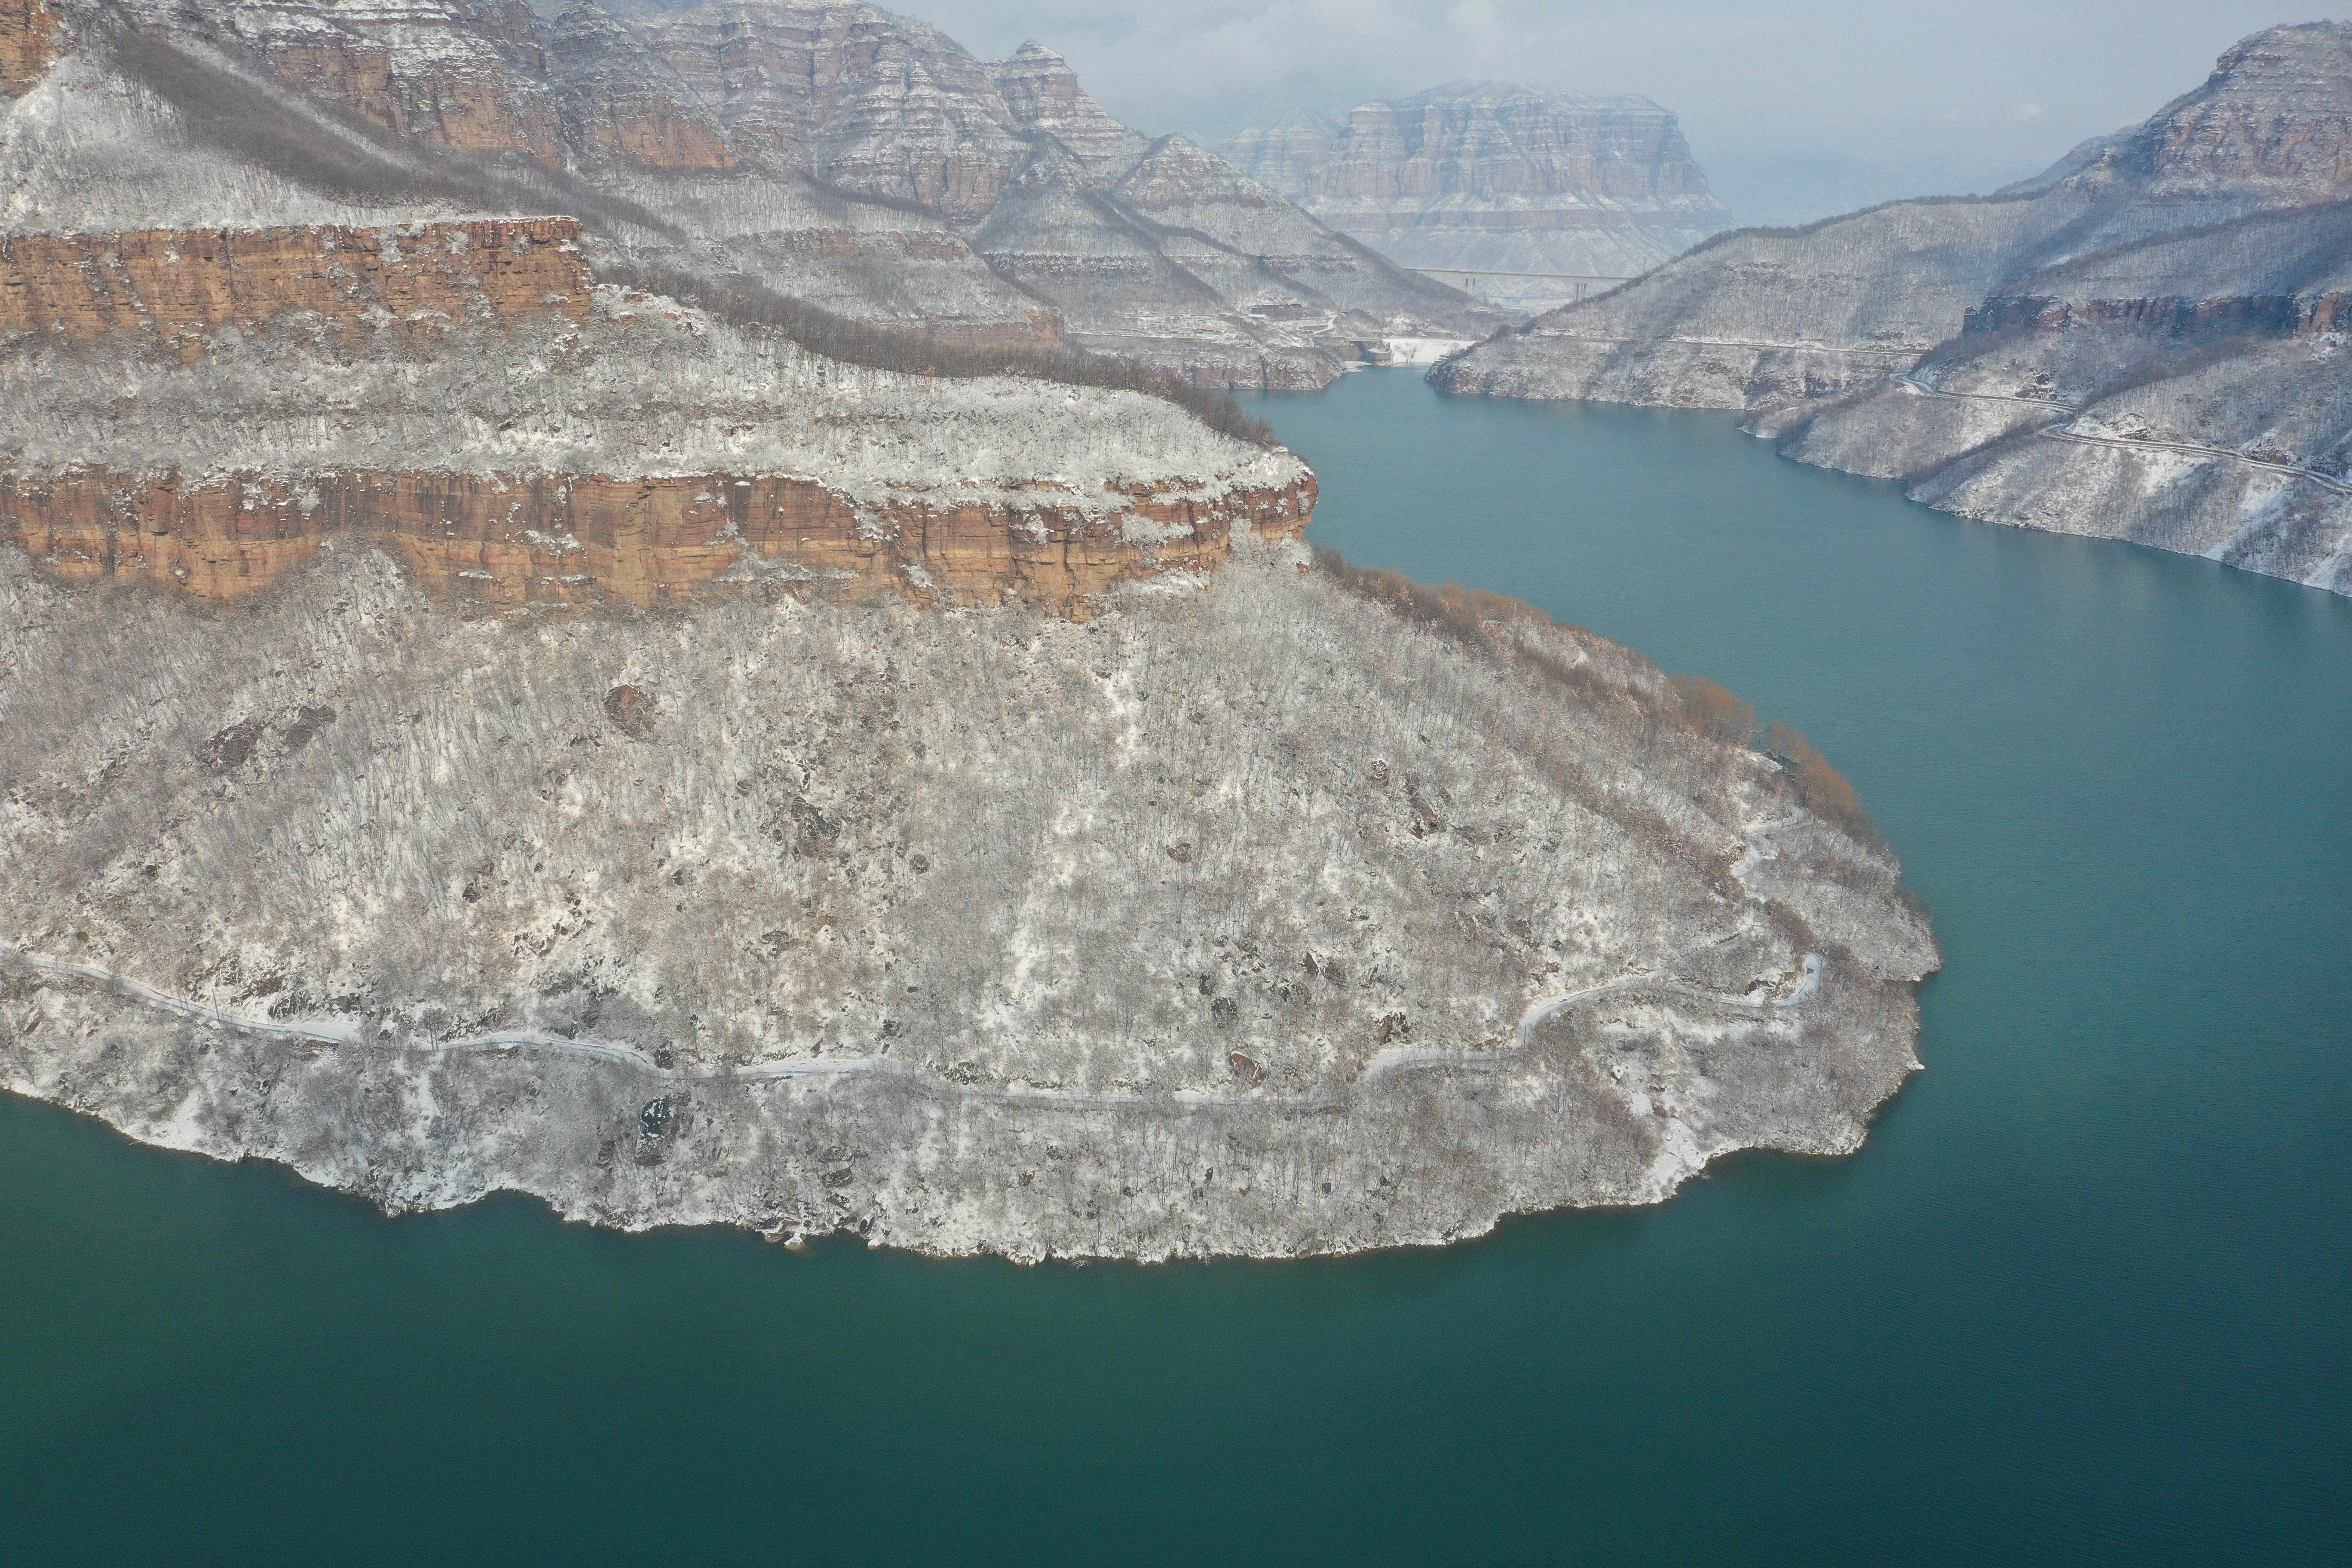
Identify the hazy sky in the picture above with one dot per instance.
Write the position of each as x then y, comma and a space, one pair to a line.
1856, 94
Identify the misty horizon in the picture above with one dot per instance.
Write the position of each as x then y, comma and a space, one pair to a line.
1794, 111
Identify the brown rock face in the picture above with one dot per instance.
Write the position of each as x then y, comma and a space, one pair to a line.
554, 539
594, 540
31, 35
632, 711
184, 286
620, 101
2271, 117
751, 139
448, 74
558, 539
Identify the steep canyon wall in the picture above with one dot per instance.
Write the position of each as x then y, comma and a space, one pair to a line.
1496, 177
183, 286
598, 540
483, 533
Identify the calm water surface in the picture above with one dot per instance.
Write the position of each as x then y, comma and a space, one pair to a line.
2083, 1299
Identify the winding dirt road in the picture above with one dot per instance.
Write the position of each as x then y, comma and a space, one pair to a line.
342, 1034
2058, 432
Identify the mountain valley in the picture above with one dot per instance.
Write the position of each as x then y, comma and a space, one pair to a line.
2143, 343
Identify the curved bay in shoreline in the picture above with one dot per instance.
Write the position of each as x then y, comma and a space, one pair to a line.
1261, 921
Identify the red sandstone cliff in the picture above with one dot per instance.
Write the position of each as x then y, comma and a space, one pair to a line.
598, 540
788, 142
830, 151
507, 539
31, 35
447, 73
183, 286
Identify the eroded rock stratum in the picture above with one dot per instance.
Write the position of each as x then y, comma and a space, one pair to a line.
207, 410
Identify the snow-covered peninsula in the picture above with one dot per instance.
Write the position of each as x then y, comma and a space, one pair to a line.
493, 698
1259, 920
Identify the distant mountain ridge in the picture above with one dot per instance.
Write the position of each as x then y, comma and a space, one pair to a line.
2146, 342
832, 152
1485, 175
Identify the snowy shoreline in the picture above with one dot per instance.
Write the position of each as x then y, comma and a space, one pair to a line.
1258, 921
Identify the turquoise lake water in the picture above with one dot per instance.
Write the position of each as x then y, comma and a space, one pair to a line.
2083, 1299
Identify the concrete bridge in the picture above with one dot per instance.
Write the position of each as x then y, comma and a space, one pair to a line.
1571, 285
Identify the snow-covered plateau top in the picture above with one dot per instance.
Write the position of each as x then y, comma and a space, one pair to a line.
643, 387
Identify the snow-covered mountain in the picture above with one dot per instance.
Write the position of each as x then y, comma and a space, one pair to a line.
2147, 343
500, 691
834, 154
1496, 178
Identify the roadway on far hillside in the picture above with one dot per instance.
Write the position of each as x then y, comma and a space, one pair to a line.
2058, 431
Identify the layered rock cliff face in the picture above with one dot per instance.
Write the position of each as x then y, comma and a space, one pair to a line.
30, 35
181, 287
564, 539
2143, 343
871, 102
1493, 178
1034, 174
208, 410
1255, 921
468, 724
208, 406
831, 153
621, 102
1042, 94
